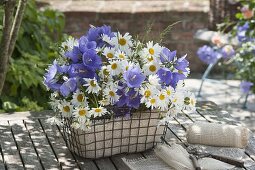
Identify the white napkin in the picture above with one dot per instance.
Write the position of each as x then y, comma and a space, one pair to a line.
178, 158
218, 135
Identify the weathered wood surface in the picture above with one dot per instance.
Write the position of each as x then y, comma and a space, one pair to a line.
28, 142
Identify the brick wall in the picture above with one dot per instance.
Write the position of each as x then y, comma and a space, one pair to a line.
133, 16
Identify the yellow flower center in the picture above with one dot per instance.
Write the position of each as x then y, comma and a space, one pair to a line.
82, 112
152, 68
151, 51
168, 92
106, 72
179, 71
153, 101
147, 93
175, 100
109, 55
161, 97
66, 108
121, 56
122, 41
192, 102
150, 58
126, 68
80, 98
98, 110
92, 83
114, 66
111, 93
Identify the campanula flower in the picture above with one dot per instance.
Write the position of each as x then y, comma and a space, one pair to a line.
166, 55
134, 77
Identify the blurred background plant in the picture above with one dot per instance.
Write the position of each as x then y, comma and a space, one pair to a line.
35, 48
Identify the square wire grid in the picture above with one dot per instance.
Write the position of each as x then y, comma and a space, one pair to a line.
110, 136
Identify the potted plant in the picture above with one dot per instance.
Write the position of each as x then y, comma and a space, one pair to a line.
113, 93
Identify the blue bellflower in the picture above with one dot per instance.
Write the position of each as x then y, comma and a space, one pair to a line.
245, 86
166, 55
134, 77
165, 75
67, 87
182, 64
75, 54
81, 71
85, 44
208, 55
91, 60
95, 34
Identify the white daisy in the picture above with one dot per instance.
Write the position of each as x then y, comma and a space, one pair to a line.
178, 99
92, 85
154, 80
68, 44
152, 102
79, 99
122, 41
54, 103
151, 68
120, 55
54, 121
189, 101
147, 92
114, 67
104, 102
125, 65
66, 108
107, 39
169, 91
109, 52
111, 94
152, 50
81, 114
163, 101
99, 111
104, 72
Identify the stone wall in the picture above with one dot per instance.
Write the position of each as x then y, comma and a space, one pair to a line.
133, 16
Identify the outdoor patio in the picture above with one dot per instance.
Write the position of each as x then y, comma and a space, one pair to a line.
127, 84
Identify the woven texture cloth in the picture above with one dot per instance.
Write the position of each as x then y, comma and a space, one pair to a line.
218, 135
176, 157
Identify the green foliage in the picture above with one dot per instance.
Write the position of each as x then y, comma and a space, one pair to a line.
40, 30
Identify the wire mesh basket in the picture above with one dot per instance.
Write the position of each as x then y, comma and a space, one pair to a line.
114, 135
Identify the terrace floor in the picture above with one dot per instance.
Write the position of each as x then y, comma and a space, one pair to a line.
227, 95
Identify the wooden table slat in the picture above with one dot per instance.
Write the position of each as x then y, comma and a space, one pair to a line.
1, 159
64, 156
105, 164
118, 162
41, 144
9, 148
27, 151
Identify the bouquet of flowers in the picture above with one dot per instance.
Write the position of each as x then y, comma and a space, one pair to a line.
105, 69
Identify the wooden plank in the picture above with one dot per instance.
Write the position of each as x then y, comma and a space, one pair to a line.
1, 159
25, 145
118, 162
41, 144
86, 163
105, 164
26, 115
64, 156
9, 149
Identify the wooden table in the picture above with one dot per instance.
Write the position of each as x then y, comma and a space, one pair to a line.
28, 142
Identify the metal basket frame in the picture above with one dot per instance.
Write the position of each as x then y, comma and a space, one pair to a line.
74, 137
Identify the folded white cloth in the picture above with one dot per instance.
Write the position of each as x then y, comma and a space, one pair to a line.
178, 158
218, 135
